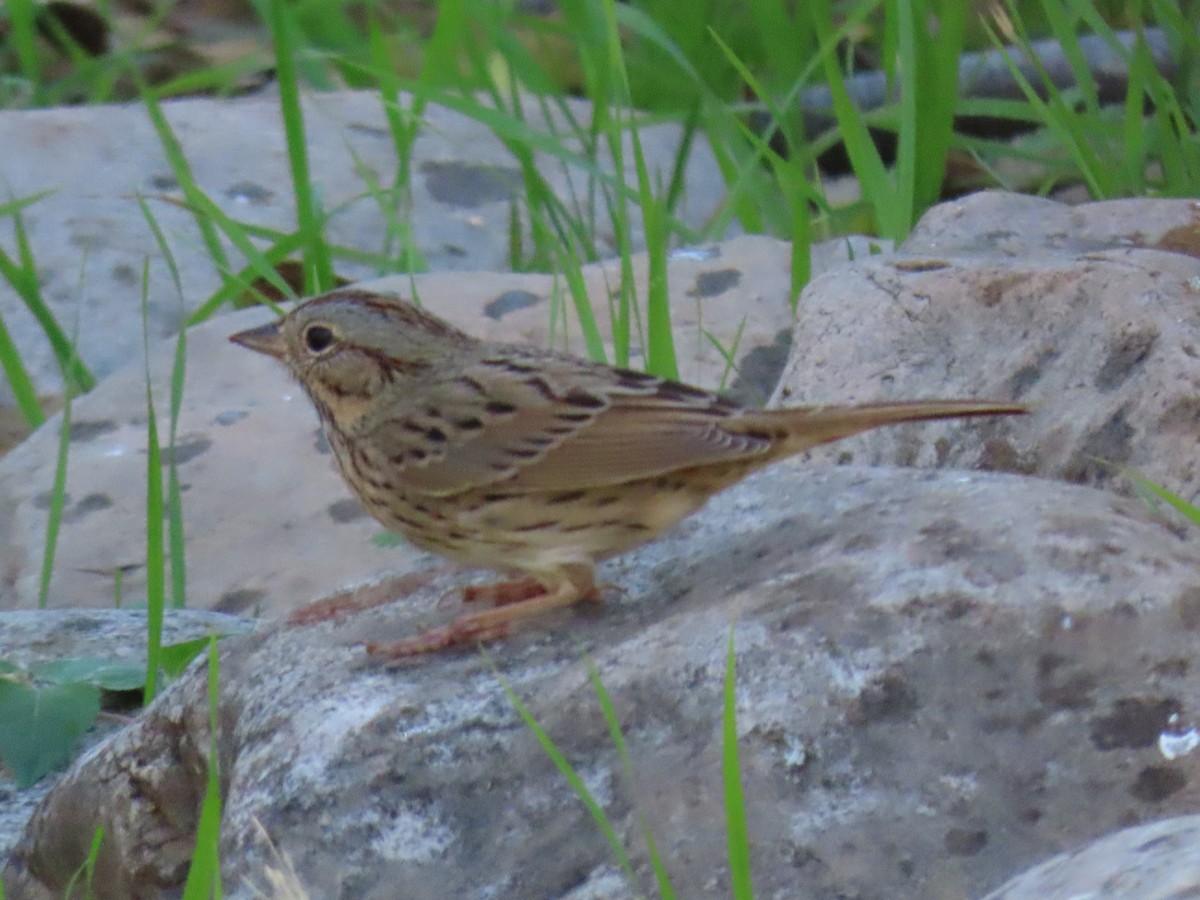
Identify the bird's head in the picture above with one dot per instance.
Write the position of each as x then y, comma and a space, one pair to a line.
347, 346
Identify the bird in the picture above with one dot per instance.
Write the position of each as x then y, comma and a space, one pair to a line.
526, 460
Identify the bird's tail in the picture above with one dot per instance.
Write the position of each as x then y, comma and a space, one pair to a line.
799, 428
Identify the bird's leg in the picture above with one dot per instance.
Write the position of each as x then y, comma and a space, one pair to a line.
564, 587
504, 593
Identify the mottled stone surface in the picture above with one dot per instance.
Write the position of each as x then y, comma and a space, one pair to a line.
1075, 311
942, 678
1155, 861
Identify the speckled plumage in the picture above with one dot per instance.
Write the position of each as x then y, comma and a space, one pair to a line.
524, 459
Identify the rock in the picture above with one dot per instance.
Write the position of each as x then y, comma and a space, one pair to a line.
1155, 861
1098, 332
269, 524
997, 223
941, 678
89, 237
31, 637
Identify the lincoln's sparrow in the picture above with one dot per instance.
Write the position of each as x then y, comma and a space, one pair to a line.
523, 459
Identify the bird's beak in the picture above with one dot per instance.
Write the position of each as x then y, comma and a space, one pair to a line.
266, 339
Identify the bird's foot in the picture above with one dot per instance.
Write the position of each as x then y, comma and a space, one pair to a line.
484, 625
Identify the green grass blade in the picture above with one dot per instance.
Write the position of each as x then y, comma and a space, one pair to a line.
161, 240
238, 283
573, 778
660, 340
794, 187
729, 354
155, 558
58, 491
636, 21
936, 70
16, 204
683, 155
1063, 21
901, 15
1165, 134
209, 216
318, 269
660, 356
404, 126
609, 88
1133, 134
239, 236
86, 871
572, 271
517, 133
442, 51
665, 889
18, 379
864, 158
740, 179
23, 278
735, 803
1153, 491
1077, 132
182, 171
174, 492
58, 495
23, 275
22, 19
784, 37
204, 873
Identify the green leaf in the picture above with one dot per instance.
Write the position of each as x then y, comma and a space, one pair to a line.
109, 674
174, 658
39, 727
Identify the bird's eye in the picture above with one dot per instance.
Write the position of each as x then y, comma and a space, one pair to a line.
318, 338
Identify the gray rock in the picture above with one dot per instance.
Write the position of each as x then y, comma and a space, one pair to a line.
89, 238
31, 637
1101, 343
997, 223
941, 678
1156, 861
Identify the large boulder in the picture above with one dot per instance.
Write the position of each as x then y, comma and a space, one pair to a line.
941, 679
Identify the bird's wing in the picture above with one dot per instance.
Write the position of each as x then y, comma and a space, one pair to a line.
552, 423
